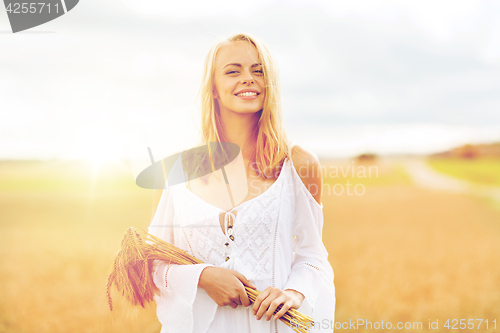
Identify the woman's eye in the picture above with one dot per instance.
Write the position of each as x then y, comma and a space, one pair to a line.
260, 72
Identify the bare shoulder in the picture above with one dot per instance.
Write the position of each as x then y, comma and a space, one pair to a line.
308, 168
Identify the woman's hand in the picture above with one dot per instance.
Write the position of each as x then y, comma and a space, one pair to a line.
271, 298
225, 286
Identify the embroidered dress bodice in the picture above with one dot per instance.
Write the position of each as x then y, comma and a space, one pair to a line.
249, 240
274, 240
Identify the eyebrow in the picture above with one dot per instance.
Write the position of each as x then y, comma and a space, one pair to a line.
239, 65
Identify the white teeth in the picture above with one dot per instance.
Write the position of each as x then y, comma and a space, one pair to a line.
248, 93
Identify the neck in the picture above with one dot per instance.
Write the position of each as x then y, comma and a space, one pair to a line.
241, 129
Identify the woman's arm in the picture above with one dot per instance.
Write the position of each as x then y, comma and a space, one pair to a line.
309, 169
180, 300
271, 298
225, 286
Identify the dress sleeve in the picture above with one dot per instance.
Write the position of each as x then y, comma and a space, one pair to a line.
180, 299
311, 273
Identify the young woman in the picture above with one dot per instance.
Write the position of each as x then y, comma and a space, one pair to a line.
272, 239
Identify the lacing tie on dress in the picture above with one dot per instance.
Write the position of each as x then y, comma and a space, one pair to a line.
227, 216
234, 262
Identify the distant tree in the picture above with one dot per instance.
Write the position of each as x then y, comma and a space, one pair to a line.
366, 157
468, 151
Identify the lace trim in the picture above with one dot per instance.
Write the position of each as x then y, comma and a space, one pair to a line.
166, 273
308, 264
187, 240
274, 247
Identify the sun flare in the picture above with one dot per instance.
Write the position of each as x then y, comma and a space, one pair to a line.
100, 146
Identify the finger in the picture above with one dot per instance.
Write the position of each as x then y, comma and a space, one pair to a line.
258, 300
237, 299
263, 307
284, 309
233, 305
244, 280
273, 306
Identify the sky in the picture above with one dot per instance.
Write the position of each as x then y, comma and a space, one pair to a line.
388, 77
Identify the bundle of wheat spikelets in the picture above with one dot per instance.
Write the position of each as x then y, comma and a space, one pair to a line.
132, 273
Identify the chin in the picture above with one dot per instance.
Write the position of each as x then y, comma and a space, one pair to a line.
248, 110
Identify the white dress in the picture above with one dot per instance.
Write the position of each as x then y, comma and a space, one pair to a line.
264, 250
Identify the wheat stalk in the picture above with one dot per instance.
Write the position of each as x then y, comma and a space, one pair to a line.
132, 273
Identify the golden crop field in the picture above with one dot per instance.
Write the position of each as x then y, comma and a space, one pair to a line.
399, 253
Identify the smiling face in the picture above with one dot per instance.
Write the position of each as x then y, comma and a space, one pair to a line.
239, 79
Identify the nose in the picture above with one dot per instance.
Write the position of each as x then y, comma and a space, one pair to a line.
247, 79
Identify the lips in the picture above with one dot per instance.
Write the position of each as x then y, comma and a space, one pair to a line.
247, 93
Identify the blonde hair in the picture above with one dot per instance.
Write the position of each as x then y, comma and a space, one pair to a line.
272, 145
